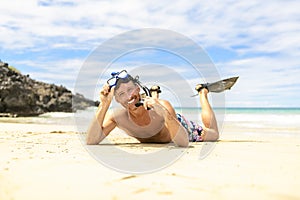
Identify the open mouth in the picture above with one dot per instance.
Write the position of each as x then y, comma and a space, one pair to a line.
132, 100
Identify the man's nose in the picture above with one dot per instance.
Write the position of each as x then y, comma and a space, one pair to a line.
128, 95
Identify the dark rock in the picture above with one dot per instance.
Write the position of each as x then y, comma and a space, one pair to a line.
22, 96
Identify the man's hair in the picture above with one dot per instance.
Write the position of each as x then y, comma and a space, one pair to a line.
126, 80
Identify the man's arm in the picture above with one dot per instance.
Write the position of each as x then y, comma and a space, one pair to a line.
103, 123
100, 127
177, 131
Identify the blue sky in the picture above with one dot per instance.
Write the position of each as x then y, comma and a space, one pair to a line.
256, 40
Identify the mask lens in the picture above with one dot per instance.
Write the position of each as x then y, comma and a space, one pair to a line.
112, 81
116, 76
122, 74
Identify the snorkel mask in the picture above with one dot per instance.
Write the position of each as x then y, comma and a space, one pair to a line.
115, 77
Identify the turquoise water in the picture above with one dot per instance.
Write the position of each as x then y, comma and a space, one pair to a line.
245, 111
295, 111
283, 120
248, 110
264, 118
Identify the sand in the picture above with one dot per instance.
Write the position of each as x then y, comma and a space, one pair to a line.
49, 162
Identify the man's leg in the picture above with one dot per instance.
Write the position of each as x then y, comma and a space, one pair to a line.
154, 94
210, 129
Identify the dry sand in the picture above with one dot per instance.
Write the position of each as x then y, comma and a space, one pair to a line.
49, 162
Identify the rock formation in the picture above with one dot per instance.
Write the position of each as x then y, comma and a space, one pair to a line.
22, 96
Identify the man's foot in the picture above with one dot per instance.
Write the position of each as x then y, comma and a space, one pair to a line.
201, 88
218, 86
155, 88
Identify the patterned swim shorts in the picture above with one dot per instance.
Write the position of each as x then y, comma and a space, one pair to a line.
194, 130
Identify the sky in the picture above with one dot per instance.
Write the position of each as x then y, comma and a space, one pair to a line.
52, 41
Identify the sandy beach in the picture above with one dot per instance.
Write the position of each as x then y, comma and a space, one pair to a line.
40, 161
64, 63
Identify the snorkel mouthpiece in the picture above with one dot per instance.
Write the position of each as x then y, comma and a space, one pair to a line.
141, 103
138, 104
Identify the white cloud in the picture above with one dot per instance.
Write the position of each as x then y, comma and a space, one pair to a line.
268, 26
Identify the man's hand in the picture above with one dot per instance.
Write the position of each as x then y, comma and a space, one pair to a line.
150, 102
154, 103
106, 94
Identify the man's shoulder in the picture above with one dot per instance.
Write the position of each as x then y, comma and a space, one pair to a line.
165, 103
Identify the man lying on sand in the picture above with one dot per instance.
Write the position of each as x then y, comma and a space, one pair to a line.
154, 122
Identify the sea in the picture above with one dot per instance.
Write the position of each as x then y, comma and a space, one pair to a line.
262, 120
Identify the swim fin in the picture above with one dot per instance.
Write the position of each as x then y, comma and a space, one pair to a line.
219, 86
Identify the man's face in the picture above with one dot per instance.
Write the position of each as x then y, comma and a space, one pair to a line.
128, 95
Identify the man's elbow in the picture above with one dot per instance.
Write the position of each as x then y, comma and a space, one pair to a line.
183, 143
91, 142
212, 136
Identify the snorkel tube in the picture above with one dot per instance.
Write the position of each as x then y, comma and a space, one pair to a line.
147, 92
